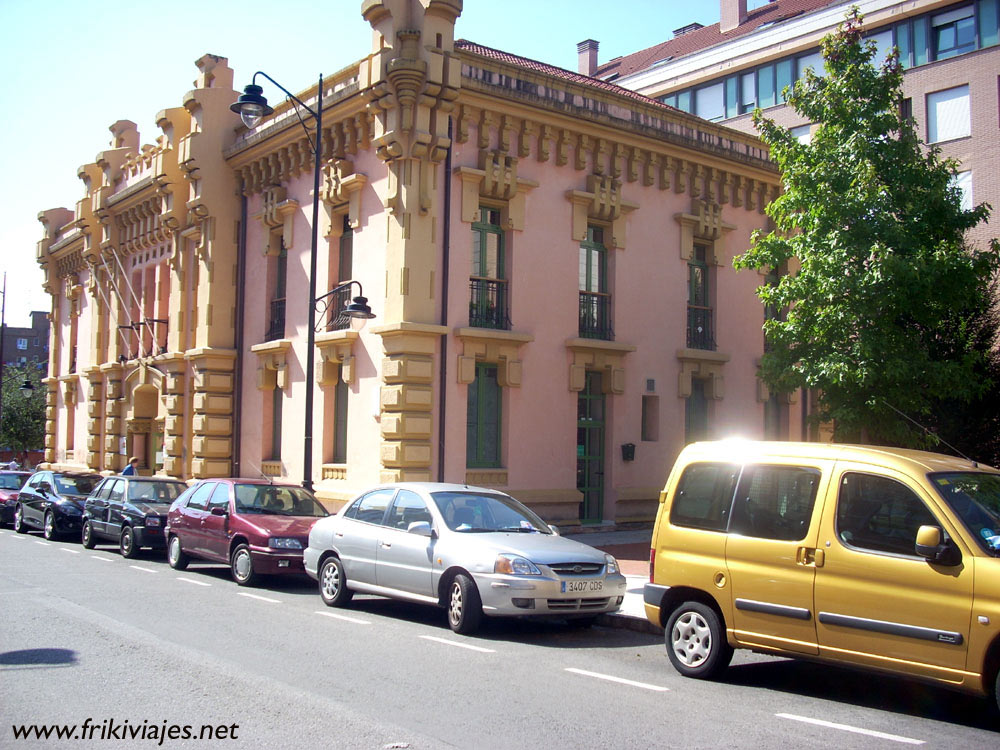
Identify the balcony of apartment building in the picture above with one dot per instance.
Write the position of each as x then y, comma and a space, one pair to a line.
700, 328
488, 305
595, 316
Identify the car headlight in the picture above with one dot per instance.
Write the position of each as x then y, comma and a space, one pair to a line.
610, 565
284, 542
153, 521
71, 510
515, 565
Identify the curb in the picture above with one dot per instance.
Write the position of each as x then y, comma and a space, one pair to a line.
627, 622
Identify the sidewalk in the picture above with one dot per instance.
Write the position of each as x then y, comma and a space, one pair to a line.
631, 549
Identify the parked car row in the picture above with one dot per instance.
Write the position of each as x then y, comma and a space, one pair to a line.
469, 550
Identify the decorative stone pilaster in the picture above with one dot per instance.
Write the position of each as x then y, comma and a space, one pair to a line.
51, 409
114, 416
95, 418
212, 406
175, 395
407, 399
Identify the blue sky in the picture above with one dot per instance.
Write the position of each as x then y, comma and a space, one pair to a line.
72, 67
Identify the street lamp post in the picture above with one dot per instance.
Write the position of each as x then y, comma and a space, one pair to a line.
251, 107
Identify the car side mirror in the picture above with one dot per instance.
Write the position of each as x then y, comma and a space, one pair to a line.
218, 510
421, 528
932, 546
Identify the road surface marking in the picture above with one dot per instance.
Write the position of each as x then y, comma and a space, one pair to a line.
101, 557
44, 544
191, 580
855, 730
622, 680
469, 646
261, 598
144, 570
71, 551
15, 536
345, 618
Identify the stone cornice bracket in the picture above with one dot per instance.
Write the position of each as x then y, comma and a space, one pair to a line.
601, 201
705, 365
489, 345
703, 223
496, 179
272, 364
336, 361
340, 185
277, 211
606, 357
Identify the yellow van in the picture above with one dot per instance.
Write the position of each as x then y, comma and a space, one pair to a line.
880, 558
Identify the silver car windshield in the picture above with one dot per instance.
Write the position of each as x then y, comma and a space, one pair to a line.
472, 513
975, 498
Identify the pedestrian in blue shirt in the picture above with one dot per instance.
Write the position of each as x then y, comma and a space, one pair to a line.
131, 469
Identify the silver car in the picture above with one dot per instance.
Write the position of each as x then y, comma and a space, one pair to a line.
471, 550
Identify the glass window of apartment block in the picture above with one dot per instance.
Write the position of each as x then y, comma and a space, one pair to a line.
813, 60
748, 92
488, 296
783, 71
276, 323
710, 102
948, 114
732, 96
765, 87
802, 134
684, 101
883, 46
22, 343
962, 182
700, 331
953, 32
483, 419
988, 18
595, 301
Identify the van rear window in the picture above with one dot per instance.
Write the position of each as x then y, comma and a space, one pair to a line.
704, 496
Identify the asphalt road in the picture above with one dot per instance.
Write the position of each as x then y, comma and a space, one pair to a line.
86, 634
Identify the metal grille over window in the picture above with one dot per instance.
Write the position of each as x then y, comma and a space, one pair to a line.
488, 300
595, 301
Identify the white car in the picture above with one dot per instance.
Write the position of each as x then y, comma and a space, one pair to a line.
471, 550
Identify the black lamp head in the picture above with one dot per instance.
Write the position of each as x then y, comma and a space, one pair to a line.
252, 105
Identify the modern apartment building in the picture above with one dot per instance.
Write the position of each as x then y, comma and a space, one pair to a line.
28, 345
724, 71
547, 256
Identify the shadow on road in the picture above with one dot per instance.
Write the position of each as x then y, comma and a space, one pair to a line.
866, 689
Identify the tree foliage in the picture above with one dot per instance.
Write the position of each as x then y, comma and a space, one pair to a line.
885, 302
23, 426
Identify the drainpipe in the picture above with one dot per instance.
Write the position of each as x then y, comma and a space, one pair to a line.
445, 263
241, 270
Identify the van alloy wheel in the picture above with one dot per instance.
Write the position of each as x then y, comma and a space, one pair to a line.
696, 641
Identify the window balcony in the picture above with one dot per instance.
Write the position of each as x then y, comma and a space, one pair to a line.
337, 318
276, 329
595, 316
488, 304
700, 331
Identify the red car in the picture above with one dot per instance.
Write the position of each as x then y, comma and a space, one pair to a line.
10, 485
254, 526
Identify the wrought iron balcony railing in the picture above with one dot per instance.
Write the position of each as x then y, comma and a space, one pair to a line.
488, 304
337, 318
700, 331
595, 316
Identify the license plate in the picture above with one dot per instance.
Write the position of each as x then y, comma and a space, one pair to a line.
582, 587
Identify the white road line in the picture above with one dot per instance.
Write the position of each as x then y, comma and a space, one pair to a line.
621, 680
144, 570
16, 536
260, 598
71, 551
101, 557
469, 646
345, 618
855, 730
191, 580
44, 544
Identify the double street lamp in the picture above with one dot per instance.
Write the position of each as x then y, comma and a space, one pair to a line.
251, 107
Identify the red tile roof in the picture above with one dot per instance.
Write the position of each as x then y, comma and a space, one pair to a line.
545, 68
708, 36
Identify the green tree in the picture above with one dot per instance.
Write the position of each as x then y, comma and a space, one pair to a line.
23, 425
885, 301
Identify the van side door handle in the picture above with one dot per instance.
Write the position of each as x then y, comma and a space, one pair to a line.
810, 556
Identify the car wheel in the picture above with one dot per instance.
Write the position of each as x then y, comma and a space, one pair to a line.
696, 641
127, 545
465, 608
19, 526
241, 566
176, 557
49, 528
333, 584
87, 536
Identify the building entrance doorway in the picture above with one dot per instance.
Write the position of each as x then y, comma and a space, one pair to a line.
590, 425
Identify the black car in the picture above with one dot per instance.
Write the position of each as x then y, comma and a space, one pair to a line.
130, 511
10, 485
53, 502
